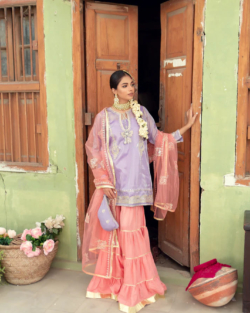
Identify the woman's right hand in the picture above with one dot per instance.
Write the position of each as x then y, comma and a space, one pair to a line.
109, 192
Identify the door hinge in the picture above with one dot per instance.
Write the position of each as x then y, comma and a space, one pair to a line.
200, 32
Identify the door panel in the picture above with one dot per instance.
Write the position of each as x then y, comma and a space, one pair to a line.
176, 97
111, 44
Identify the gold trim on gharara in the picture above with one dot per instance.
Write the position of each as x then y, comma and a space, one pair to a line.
129, 231
139, 306
123, 307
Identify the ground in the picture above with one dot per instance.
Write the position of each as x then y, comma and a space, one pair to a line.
64, 291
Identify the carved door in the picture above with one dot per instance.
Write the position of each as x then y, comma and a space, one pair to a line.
176, 97
111, 44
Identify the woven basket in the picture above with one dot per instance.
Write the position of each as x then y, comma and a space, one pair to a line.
21, 270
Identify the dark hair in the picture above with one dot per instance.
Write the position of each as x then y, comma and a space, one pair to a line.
116, 77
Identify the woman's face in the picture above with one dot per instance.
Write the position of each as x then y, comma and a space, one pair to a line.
125, 89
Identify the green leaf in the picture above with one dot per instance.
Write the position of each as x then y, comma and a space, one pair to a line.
55, 231
43, 227
5, 241
29, 237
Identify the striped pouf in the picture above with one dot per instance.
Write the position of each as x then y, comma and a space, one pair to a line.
217, 291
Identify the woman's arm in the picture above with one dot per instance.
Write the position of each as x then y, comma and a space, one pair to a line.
152, 128
191, 119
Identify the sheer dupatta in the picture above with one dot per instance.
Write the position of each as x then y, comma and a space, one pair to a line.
166, 189
95, 238
164, 155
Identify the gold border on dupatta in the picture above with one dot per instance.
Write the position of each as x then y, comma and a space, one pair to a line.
114, 233
104, 186
107, 143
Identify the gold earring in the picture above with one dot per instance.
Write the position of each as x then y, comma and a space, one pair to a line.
116, 100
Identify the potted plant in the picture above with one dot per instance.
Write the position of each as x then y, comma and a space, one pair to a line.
28, 257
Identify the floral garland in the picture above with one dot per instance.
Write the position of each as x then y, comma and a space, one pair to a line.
136, 109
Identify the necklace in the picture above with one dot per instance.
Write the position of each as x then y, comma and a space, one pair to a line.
122, 107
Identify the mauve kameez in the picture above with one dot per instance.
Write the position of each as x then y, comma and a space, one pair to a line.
133, 179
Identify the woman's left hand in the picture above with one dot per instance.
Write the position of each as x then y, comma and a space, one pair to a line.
190, 117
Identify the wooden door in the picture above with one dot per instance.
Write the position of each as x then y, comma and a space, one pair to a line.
176, 97
111, 44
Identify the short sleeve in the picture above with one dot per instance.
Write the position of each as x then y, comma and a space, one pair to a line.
152, 128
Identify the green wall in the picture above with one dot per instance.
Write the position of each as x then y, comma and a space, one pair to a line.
33, 197
222, 207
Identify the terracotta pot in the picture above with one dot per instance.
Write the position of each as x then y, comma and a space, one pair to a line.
217, 291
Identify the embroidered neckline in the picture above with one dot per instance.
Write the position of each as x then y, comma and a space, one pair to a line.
122, 126
120, 112
126, 133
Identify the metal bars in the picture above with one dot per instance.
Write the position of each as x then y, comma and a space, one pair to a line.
20, 120
20, 25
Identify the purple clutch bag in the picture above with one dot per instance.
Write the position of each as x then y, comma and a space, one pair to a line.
106, 217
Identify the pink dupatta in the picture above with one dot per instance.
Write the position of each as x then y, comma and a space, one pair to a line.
166, 190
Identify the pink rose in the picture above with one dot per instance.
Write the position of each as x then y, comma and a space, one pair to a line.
36, 232
48, 246
26, 247
33, 253
25, 232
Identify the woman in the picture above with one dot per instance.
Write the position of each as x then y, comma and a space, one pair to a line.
123, 141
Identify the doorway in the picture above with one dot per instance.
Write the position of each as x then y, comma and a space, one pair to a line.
150, 63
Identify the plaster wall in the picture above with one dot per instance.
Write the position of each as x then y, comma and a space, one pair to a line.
222, 207
26, 198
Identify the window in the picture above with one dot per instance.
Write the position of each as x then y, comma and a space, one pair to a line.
22, 91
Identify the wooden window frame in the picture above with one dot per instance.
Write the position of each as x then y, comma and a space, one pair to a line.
11, 3
33, 86
243, 93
